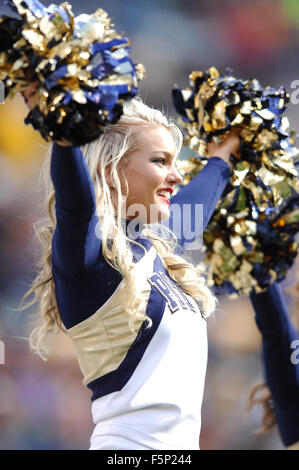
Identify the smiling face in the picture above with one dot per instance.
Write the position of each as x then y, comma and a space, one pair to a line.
151, 175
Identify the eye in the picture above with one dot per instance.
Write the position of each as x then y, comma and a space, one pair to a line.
160, 160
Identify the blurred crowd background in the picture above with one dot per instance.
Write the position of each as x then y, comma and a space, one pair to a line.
43, 405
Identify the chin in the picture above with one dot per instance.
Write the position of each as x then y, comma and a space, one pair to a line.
158, 213
149, 214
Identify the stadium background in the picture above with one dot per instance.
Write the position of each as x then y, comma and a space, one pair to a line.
43, 405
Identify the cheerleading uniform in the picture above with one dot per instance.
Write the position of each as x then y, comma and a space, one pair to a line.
280, 345
146, 386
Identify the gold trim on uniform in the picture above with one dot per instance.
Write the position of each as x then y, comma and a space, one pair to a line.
293, 446
102, 340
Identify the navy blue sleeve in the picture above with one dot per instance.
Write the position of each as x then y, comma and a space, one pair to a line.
280, 365
75, 244
83, 279
193, 206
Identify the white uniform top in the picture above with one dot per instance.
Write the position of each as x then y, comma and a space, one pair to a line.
150, 386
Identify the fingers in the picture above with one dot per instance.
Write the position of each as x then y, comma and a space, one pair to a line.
232, 143
63, 143
29, 94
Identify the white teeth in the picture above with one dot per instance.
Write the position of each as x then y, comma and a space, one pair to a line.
164, 193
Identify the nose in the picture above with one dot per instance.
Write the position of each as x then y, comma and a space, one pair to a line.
174, 176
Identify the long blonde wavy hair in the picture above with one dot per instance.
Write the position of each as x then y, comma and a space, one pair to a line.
114, 144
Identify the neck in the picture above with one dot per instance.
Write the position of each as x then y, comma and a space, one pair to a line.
133, 228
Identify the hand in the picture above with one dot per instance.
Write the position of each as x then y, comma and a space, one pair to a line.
63, 143
31, 99
230, 145
30, 95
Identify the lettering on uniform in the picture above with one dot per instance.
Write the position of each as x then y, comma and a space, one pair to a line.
174, 296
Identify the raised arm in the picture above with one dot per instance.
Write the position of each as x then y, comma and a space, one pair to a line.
83, 279
76, 242
193, 206
76, 245
279, 337
197, 200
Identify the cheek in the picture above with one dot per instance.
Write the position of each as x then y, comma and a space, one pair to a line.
143, 182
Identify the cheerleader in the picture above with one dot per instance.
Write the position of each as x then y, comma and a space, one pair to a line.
134, 308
